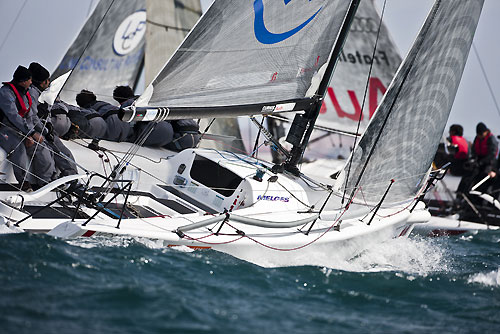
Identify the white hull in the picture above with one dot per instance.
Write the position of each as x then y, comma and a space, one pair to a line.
439, 226
169, 197
444, 194
263, 246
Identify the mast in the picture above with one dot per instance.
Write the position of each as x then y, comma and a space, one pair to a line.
303, 125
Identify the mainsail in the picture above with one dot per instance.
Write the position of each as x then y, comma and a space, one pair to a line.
109, 56
275, 52
401, 140
342, 106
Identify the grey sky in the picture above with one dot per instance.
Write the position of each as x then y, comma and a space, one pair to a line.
45, 29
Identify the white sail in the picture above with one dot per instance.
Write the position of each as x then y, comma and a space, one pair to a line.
402, 137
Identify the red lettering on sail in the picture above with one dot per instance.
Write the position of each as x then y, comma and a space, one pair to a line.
357, 109
375, 87
324, 108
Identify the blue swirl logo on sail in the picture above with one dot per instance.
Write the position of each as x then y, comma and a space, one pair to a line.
263, 35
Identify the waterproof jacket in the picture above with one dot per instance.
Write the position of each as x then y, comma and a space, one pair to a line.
117, 130
462, 145
9, 106
485, 152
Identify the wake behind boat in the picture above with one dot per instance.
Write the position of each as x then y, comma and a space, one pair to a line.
267, 214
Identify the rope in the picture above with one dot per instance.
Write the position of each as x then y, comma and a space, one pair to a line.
13, 24
486, 78
243, 235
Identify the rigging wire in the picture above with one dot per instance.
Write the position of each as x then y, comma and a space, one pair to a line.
410, 59
206, 129
255, 148
317, 127
13, 25
486, 78
364, 99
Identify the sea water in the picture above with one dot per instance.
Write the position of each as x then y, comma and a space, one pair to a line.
101, 285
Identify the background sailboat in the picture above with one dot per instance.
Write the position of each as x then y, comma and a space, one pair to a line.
151, 31
108, 51
341, 110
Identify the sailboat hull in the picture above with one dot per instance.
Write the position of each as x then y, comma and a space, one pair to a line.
268, 247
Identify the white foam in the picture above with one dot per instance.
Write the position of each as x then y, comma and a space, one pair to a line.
414, 256
103, 241
411, 256
488, 279
4, 229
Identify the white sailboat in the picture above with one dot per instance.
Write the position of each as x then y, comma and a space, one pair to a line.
205, 198
448, 219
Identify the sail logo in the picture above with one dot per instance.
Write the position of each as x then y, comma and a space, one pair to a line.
263, 35
364, 24
273, 198
352, 111
130, 33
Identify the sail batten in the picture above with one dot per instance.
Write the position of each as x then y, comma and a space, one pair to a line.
285, 46
157, 114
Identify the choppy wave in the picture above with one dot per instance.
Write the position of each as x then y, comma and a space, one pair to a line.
491, 279
431, 285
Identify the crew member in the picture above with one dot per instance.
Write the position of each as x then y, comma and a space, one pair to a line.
64, 160
186, 134
18, 136
484, 152
116, 129
84, 123
160, 134
460, 147
174, 135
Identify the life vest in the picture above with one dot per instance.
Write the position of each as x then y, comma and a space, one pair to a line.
463, 147
23, 111
481, 145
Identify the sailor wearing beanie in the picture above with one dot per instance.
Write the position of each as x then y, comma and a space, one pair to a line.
18, 136
64, 162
